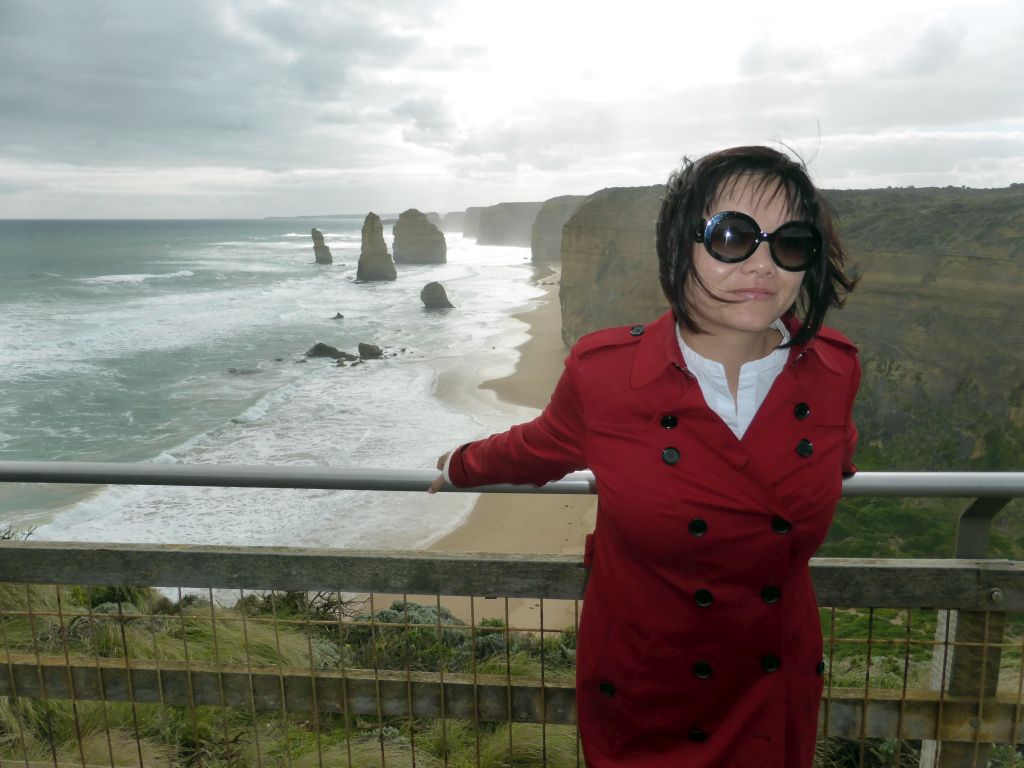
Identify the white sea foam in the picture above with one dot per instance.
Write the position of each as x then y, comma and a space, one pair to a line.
108, 279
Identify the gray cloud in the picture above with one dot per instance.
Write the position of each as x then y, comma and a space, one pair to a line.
281, 106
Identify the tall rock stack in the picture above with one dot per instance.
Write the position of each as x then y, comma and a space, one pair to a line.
320, 249
609, 263
374, 260
417, 241
546, 236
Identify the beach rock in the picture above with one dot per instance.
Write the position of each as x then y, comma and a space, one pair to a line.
417, 241
434, 218
434, 296
375, 262
326, 350
338, 316
370, 352
546, 236
609, 268
320, 249
507, 224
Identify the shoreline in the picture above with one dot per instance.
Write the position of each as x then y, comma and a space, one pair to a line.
521, 523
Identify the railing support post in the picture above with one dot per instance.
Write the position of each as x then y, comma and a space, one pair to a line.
973, 663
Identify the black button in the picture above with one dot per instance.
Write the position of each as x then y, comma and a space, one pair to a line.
607, 688
670, 456
770, 663
702, 670
697, 527
805, 447
771, 594
696, 734
703, 597
821, 668
668, 421
781, 526
636, 330
802, 410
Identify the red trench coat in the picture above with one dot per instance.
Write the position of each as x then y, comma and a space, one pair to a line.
699, 643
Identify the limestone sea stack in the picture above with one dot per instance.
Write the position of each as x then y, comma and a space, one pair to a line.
375, 262
417, 241
433, 296
320, 249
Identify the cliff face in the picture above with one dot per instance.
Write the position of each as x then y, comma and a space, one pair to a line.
417, 241
453, 222
471, 221
507, 223
609, 266
546, 235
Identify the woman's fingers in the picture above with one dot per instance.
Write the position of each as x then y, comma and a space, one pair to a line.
439, 482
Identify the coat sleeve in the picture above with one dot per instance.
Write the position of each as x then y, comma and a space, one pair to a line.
537, 452
850, 447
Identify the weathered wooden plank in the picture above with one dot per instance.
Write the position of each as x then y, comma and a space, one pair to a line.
993, 585
487, 698
293, 568
882, 715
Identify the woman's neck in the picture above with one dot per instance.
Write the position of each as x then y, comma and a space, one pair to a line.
732, 350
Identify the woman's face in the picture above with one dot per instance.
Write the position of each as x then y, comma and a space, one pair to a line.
756, 291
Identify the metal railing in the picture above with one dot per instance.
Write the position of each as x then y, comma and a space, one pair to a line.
293, 653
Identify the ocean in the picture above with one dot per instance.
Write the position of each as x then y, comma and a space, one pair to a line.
184, 341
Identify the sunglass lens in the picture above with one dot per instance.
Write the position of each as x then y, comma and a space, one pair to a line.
796, 245
733, 238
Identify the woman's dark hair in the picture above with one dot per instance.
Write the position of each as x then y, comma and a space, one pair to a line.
694, 187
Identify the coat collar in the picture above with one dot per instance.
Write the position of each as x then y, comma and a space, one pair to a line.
659, 351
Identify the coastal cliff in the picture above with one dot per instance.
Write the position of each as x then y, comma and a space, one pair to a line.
506, 223
546, 235
609, 267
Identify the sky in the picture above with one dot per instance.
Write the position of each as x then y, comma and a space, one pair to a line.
246, 108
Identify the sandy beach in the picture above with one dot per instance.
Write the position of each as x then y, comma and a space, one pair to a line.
535, 523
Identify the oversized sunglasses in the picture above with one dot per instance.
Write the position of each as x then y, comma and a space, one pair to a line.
732, 236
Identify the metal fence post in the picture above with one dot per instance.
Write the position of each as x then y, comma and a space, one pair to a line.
973, 664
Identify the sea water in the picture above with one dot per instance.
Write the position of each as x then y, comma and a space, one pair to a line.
184, 341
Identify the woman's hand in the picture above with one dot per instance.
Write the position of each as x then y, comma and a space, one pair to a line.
439, 482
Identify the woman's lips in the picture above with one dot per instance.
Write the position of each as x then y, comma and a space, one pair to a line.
753, 294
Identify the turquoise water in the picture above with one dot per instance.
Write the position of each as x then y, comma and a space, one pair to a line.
183, 341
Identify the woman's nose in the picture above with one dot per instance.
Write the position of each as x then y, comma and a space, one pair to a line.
760, 260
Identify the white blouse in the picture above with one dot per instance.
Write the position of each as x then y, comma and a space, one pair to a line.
756, 378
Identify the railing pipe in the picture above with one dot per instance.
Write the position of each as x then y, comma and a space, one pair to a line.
924, 484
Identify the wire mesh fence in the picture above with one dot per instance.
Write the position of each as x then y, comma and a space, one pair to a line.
923, 665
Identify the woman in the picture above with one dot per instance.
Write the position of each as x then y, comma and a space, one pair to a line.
719, 435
